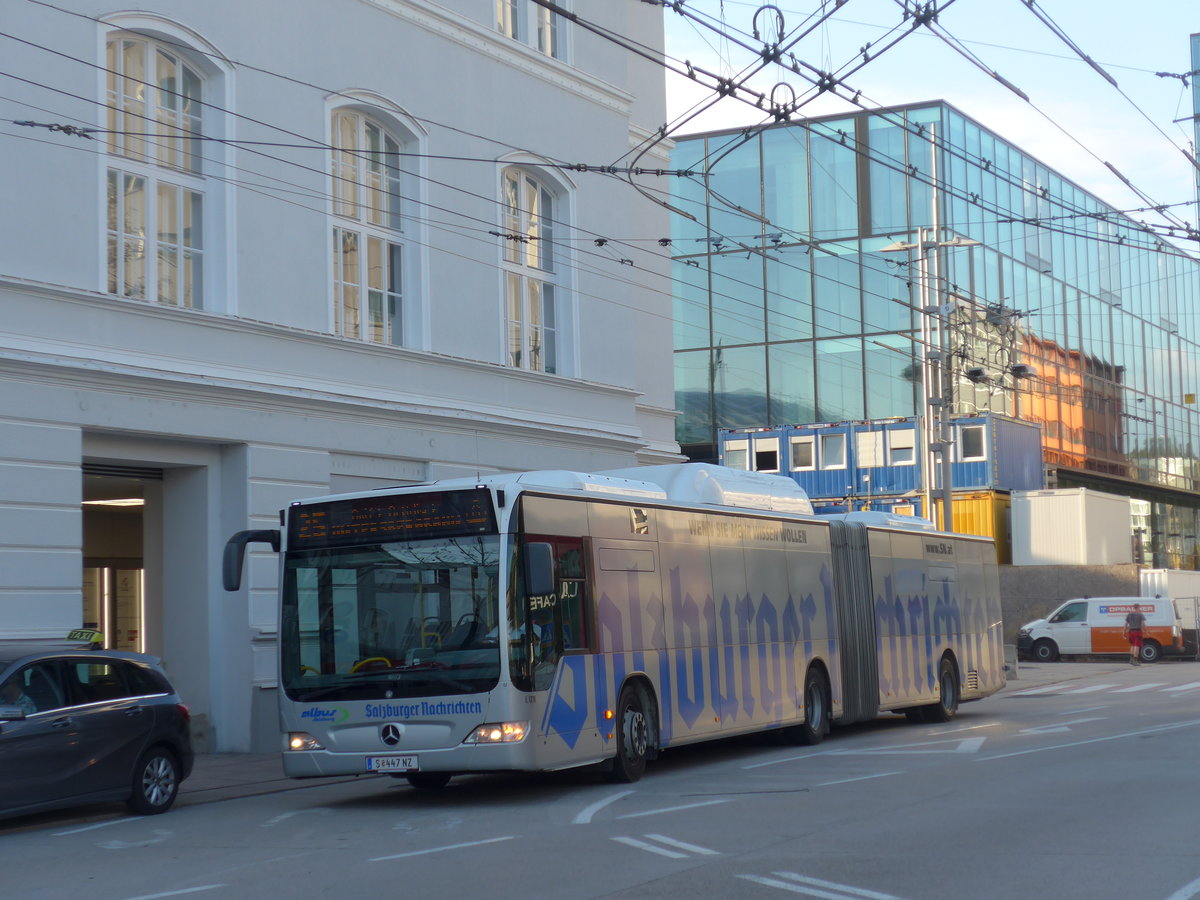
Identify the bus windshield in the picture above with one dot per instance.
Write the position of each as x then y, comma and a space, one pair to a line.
391, 620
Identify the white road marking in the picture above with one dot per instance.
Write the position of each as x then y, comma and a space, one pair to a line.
859, 778
441, 849
584, 816
97, 825
1140, 687
161, 834
965, 728
1044, 689
802, 884
1187, 891
1091, 688
283, 817
667, 809
1111, 737
683, 845
195, 890
1061, 726
786, 759
1184, 687
650, 848
960, 745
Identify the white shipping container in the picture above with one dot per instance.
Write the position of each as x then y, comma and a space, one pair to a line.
1181, 585
1071, 527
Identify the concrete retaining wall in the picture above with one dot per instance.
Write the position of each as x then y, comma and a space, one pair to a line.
1029, 592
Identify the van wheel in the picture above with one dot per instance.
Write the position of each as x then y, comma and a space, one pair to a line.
1045, 650
633, 738
1151, 652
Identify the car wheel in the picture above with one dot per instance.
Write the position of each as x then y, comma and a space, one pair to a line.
947, 706
633, 738
1045, 650
155, 782
816, 711
1151, 651
428, 781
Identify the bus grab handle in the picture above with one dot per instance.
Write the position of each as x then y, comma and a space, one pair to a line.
235, 553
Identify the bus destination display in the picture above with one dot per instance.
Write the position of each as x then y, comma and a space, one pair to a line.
398, 517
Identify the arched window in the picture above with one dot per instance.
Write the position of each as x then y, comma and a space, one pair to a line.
368, 245
155, 184
530, 272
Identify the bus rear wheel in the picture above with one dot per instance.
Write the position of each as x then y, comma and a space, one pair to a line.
1151, 651
633, 738
816, 711
947, 706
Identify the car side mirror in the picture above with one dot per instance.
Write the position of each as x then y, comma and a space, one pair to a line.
11, 713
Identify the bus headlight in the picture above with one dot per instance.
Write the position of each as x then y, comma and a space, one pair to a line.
302, 740
498, 733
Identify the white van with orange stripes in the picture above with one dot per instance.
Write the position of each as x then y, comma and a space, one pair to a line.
1096, 625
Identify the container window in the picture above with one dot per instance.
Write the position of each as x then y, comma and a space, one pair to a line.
737, 455
970, 443
766, 455
833, 451
802, 454
902, 446
868, 449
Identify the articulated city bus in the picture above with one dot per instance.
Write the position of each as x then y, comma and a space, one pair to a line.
543, 620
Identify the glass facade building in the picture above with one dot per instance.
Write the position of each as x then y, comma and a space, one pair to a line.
820, 265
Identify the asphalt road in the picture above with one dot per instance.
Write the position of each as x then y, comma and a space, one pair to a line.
1079, 780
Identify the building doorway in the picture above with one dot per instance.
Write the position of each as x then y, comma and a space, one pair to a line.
114, 553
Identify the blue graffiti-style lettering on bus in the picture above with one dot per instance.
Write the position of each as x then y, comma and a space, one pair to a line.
567, 718
763, 683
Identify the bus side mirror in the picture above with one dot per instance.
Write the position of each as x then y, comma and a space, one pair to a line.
235, 554
539, 569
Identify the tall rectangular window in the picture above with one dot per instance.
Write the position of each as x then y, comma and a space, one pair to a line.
155, 190
530, 23
368, 253
531, 308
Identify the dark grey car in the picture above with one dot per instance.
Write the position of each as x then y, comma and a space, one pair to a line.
80, 725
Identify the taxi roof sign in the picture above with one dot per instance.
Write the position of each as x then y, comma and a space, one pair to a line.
88, 635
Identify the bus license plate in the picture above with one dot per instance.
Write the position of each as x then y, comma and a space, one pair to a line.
392, 764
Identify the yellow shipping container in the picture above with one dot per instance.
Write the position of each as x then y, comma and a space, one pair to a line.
985, 513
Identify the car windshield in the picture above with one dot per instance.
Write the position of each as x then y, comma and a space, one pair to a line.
404, 619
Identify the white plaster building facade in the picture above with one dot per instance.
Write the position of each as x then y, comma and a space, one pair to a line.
316, 245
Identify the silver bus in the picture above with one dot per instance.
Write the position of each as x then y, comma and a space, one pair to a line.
543, 620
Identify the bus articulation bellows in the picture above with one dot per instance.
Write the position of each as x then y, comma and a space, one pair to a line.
543, 620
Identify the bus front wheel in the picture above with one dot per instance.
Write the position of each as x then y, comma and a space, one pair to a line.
633, 737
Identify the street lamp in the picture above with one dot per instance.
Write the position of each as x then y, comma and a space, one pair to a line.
936, 388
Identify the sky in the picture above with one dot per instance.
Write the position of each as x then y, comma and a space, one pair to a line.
1075, 120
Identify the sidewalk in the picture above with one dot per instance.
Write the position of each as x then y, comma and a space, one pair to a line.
224, 776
